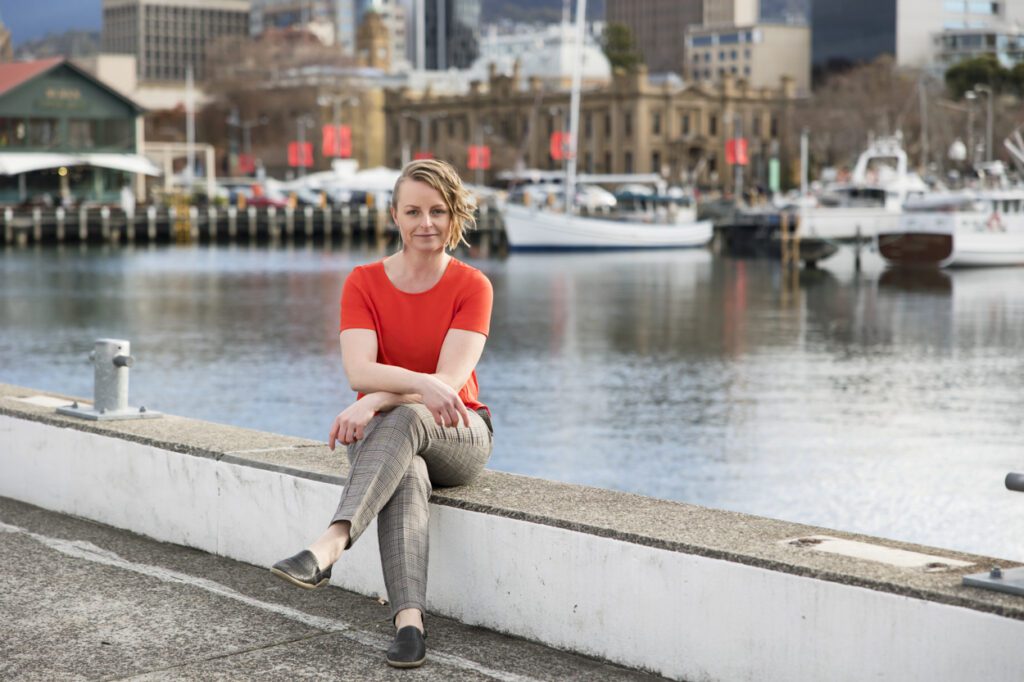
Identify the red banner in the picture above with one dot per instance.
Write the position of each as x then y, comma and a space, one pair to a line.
337, 141
300, 156
736, 151
246, 164
559, 145
423, 155
479, 157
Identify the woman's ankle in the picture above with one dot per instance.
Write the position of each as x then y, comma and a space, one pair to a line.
407, 617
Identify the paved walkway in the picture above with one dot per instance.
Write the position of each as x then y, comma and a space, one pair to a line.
79, 600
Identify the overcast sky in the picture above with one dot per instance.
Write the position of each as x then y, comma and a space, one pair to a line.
30, 19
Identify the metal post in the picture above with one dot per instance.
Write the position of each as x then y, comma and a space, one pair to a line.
151, 223
193, 219
60, 215
232, 222
211, 216
105, 223
803, 162
37, 224
129, 221
111, 362
327, 222
308, 212
8, 230
272, 221
83, 225
252, 222
346, 220
289, 220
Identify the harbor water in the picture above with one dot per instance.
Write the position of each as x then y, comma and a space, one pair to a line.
860, 399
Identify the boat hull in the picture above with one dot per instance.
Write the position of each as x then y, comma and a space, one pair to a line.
949, 239
847, 224
542, 230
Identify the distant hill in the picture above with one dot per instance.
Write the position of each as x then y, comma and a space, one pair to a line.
545, 11
68, 44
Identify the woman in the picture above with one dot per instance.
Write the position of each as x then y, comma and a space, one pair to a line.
413, 327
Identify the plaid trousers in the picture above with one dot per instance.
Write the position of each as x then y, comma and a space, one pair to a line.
402, 455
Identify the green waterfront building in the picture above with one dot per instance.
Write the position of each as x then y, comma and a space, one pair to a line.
66, 137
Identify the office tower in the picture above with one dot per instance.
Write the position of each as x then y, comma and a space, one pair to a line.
166, 36
658, 28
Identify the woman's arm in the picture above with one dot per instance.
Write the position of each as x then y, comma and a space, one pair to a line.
439, 391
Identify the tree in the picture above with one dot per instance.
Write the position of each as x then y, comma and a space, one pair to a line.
620, 47
968, 73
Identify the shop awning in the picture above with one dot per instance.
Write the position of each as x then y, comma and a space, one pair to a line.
16, 163
131, 163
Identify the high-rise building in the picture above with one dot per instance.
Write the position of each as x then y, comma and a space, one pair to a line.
658, 28
444, 34
731, 12
760, 54
916, 33
167, 36
333, 21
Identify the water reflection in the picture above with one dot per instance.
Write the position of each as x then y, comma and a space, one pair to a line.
866, 400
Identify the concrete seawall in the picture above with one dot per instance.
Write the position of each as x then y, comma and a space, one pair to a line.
684, 591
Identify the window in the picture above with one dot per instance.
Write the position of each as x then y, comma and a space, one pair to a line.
655, 162
42, 132
627, 124
607, 162
774, 127
451, 128
732, 55
656, 123
721, 55
712, 125
686, 124
588, 125
757, 126
701, 41
628, 162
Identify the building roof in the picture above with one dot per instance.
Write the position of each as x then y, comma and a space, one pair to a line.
14, 74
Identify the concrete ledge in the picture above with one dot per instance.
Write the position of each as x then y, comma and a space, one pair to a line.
685, 591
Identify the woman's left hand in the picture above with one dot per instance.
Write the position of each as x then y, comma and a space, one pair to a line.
349, 424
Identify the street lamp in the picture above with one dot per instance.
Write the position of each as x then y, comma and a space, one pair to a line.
424, 120
338, 101
303, 123
988, 117
246, 128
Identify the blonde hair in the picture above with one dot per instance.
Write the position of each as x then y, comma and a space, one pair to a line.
443, 177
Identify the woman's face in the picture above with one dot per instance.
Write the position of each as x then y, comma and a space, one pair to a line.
422, 217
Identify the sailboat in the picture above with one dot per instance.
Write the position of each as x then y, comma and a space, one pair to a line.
541, 226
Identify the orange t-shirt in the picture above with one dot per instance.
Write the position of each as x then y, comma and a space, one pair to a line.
411, 327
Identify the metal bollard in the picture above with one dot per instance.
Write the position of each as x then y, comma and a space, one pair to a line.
105, 223
252, 222
289, 221
83, 224
327, 222
129, 225
308, 213
111, 361
211, 219
60, 214
232, 222
37, 224
151, 223
272, 222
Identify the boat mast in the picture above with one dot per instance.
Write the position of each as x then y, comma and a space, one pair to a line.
574, 106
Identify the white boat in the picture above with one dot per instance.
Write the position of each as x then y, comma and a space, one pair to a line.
530, 227
870, 202
541, 226
970, 229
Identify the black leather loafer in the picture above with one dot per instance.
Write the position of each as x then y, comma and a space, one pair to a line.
408, 650
302, 570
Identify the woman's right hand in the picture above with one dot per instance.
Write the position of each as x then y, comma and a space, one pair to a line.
443, 401
349, 424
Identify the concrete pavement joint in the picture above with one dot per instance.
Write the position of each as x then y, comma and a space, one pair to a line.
81, 549
227, 654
